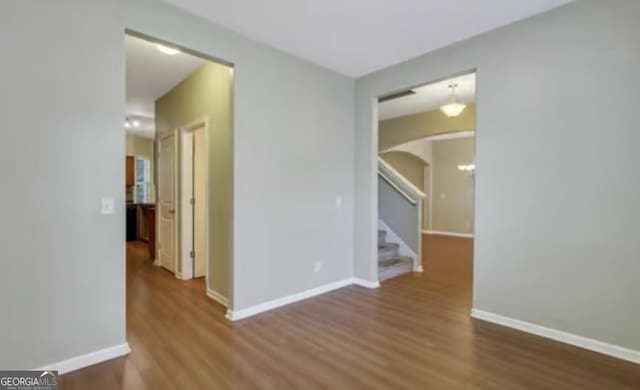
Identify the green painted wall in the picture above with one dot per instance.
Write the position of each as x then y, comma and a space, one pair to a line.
453, 190
396, 131
207, 93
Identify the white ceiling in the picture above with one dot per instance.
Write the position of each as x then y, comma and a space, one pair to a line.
356, 37
151, 74
429, 97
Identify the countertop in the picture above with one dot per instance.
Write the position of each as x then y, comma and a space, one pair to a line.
149, 205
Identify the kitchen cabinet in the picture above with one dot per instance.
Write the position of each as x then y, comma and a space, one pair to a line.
130, 176
141, 225
149, 214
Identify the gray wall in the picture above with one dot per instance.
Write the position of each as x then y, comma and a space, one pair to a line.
62, 149
399, 214
553, 92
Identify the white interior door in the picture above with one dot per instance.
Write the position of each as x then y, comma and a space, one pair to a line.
200, 202
167, 202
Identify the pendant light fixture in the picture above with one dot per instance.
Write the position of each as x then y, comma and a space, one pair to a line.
453, 108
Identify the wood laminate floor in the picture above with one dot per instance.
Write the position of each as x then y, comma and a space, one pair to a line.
414, 332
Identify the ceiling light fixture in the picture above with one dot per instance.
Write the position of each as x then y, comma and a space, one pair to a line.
135, 123
127, 124
167, 50
453, 108
467, 168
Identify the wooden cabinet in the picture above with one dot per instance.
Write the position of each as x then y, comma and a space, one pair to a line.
149, 213
130, 178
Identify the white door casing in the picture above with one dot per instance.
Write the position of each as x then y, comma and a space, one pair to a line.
199, 208
167, 202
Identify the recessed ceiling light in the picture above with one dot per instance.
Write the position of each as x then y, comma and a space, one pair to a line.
127, 124
135, 123
167, 50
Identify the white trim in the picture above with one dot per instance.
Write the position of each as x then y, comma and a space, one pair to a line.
181, 276
365, 283
235, 315
185, 189
404, 249
88, 359
557, 335
187, 261
451, 135
452, 234
216, 296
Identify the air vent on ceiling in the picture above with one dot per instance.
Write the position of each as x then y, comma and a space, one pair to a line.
396, 95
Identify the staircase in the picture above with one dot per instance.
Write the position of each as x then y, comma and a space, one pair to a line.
390, 263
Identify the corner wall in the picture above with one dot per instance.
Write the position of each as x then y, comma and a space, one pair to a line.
553, 91
63, 100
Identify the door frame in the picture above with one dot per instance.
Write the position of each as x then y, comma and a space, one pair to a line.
150, 36
184, 260
374, 102
158, 173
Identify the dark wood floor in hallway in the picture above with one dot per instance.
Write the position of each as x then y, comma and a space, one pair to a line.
414, 332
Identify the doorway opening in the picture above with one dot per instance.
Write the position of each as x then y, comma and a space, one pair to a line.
179, 106
426, 180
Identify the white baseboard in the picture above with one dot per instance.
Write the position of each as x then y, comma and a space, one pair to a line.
89, 359
418, 268
365, 283
216, 296
557, 335
235, 315
452, 234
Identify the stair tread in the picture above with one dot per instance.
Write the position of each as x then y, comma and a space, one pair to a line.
393, 267
388, 251
395, 261
389, 245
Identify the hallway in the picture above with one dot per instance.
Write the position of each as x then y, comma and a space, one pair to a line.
414, 332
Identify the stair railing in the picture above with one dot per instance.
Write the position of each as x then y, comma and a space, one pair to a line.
405, 219
399, 182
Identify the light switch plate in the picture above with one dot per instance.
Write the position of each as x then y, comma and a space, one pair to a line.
338, 201
107, 206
